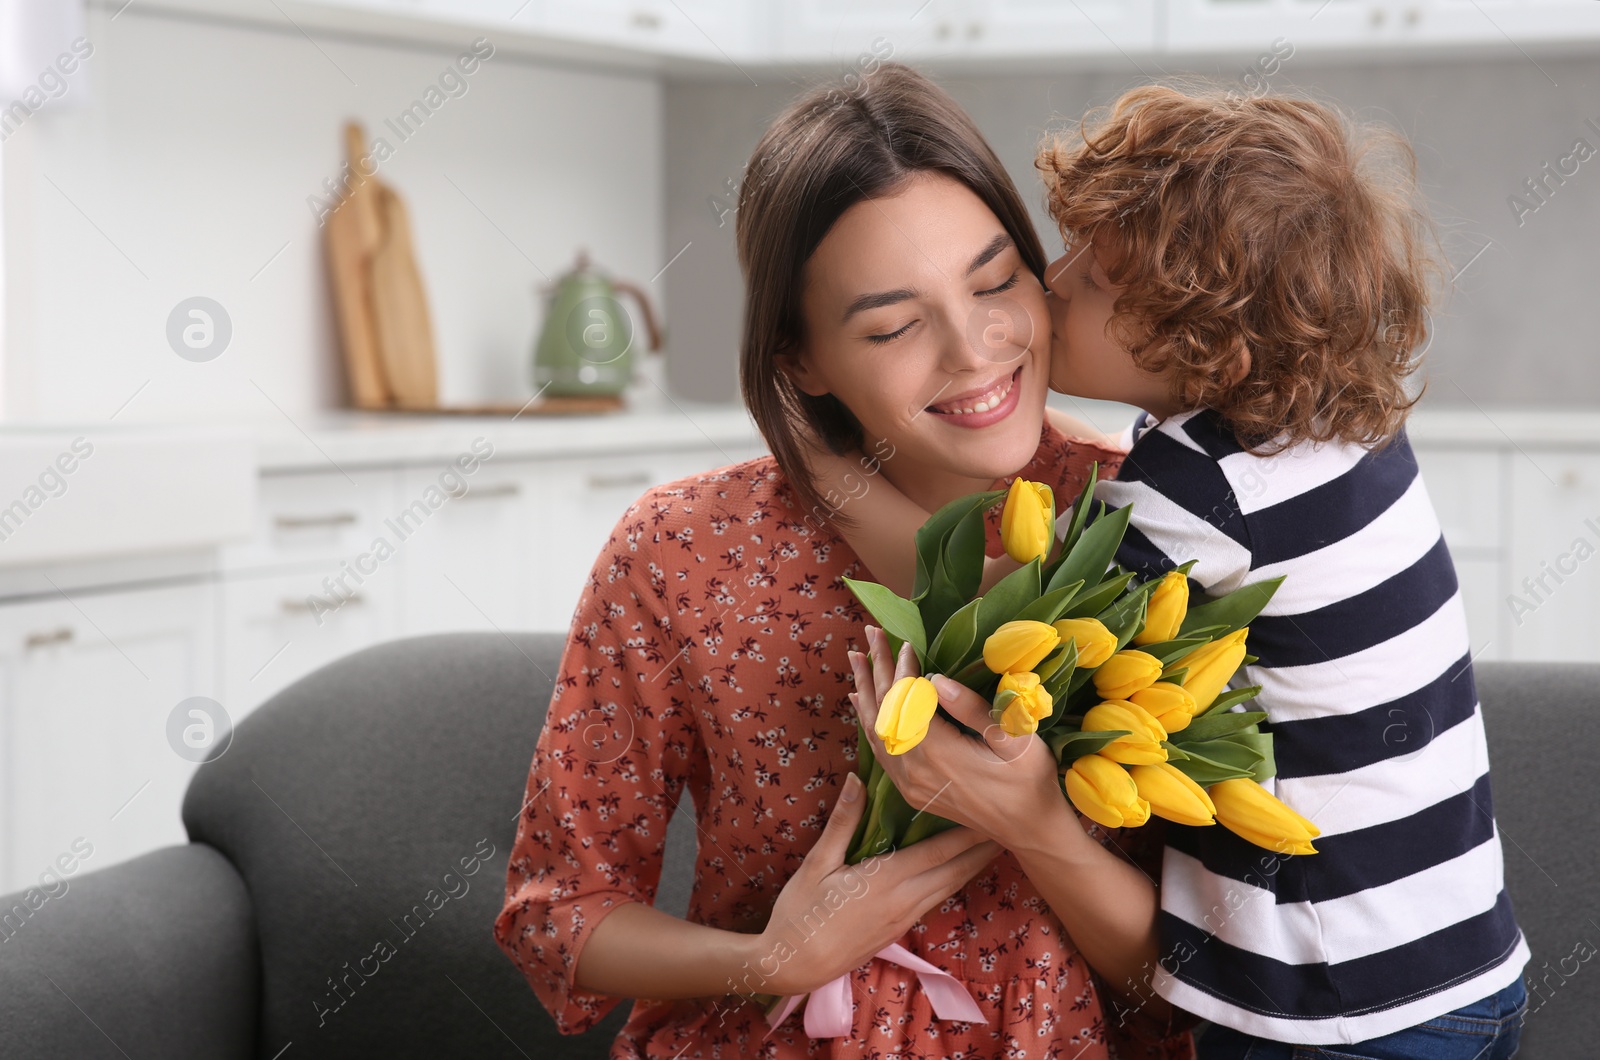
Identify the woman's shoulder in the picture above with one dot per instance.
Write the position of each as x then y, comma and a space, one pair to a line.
1064, 460
746, 493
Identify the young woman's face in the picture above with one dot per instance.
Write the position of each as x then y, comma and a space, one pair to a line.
922, 318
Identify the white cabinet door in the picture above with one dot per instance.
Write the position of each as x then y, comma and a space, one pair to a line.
88, 689
1553, 588
1269, 27
1494, 21
473, 564
316, 518
1470, 490
847, 30
1049, 27
585, 499
279, 627
707, 29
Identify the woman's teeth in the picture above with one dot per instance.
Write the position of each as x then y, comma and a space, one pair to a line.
986, 401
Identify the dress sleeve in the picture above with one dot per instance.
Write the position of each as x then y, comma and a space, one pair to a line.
611, 761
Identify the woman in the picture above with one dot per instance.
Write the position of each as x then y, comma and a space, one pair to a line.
896, 315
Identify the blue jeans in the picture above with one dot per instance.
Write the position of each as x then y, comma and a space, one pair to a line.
1484, 1030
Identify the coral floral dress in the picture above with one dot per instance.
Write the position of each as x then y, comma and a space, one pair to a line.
709, 645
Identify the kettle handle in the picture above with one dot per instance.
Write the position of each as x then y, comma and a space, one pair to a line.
623, 287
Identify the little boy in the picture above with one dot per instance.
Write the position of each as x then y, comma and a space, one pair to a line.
1251, 274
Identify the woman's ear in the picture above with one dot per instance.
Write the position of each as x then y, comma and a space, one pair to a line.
796, 364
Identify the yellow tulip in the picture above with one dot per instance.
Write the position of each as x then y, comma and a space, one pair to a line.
1142, 745
1025, 522
1126, 673
1173, 795
1164, 613
1026, 707
1211, 666
1019, 645
1095, 642
1105, 793
905, 712
1169, 703
1251, 811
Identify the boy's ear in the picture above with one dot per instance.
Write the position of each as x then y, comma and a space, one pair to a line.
1241, 365
796, 364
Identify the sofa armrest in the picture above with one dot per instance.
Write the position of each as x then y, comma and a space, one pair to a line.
155, 956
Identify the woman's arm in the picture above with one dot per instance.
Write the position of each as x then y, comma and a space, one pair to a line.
1007, 788
639, 951
884, 523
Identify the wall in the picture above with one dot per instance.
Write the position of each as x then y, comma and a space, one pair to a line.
185, 170
1519, 329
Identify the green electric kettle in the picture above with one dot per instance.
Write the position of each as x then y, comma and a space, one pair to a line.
586, 346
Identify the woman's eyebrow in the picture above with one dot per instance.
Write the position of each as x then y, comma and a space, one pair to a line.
988, 253
879, 299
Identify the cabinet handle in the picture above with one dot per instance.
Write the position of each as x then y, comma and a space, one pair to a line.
502, 489
293, 606
44, 640
1413, 16
974, 31
1376, 18
646, 20
306, 522
616, 482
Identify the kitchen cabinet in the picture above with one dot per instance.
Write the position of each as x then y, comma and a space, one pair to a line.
87, 686
1470, 490
707, 29
817, 30
1552, 599
1248, 26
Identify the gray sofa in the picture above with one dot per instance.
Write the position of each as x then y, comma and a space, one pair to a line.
316, 838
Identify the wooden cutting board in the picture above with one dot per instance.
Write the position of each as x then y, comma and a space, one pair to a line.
350, 237
400, 308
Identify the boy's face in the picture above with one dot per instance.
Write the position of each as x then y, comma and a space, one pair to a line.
1085, 360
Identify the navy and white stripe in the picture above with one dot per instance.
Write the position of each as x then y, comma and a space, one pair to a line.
1365, 666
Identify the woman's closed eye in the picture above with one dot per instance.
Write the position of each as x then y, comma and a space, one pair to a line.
891, 336
1012, 282
900, 332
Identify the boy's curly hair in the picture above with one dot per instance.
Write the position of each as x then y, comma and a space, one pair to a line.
1274, 222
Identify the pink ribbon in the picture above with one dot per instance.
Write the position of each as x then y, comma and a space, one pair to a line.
829, 1010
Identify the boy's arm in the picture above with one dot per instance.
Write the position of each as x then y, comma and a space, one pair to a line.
885, 522
1073, 427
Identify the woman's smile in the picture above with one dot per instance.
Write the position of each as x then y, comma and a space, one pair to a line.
982, 406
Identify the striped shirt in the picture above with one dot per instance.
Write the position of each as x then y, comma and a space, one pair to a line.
1366, 673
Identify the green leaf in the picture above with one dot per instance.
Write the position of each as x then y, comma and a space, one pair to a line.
1080, 510
1068, 745
942, 601
1091, 557
1261, 744
1096, 598
894, 613
955, 639
923, 825
1211, 727
1236, 751
1235, 610
1168, 650
1228, 699
932, 535
1008, 596
1060, 680
1048, 607
1204, 771
964, 554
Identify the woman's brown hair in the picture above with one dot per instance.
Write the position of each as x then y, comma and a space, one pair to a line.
1274, 223
842, 143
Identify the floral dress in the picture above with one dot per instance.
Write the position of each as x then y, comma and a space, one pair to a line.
707, 656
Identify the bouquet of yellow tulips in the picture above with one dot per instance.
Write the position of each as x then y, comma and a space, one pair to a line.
1125, 683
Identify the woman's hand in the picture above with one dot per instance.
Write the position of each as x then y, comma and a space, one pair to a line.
831, 917
1003, 786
